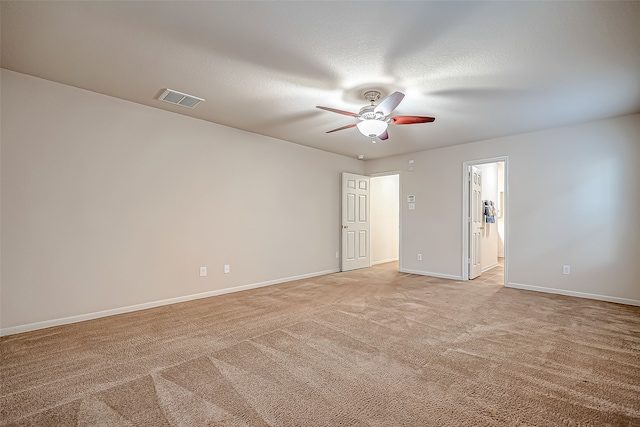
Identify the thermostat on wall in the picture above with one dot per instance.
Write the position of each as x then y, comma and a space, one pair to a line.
411, 199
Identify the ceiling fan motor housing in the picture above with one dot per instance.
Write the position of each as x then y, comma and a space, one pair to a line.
368, 113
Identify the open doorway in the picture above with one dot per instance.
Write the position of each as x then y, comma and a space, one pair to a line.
385, 218
485, 219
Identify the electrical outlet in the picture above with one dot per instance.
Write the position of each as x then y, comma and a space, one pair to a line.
203, 271
227, 269
337, 255
566, 269
419, 257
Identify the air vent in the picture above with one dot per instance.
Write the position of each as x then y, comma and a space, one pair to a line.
178, 98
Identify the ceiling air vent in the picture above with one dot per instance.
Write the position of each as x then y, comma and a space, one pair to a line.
178, 98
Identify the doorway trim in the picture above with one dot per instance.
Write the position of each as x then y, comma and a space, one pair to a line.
466, 214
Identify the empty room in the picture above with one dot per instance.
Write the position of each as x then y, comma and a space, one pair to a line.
242, 213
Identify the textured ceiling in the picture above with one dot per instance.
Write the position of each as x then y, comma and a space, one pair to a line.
483, 69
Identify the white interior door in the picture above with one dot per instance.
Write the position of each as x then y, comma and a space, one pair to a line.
476, 222
355, 222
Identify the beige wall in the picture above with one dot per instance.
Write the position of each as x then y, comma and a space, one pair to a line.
574, 198
109, 205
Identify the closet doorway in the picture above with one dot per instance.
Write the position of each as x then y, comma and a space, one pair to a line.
485, 220
385, 218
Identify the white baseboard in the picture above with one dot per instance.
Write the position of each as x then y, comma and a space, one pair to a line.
574, 294
428, 273
90, 316
384, 261
490, 267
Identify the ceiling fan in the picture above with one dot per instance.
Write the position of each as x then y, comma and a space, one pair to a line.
374, 119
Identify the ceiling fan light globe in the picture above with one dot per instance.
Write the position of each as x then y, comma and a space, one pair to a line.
372, 127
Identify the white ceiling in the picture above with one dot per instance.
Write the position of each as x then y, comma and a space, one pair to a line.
483, 69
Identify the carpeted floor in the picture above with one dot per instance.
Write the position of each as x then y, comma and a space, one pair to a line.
371, 347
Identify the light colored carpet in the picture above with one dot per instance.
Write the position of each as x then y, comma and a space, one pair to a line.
371, 347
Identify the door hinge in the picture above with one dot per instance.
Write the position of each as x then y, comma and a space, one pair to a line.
469, 261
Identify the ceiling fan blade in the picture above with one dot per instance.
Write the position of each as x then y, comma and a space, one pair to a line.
342, 128
333, 110
409, 120
389, 103
384, 136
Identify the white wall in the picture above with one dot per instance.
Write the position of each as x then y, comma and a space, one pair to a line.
108, 204
385, 218
574, 199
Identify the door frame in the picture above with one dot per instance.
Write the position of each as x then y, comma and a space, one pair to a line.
465, 213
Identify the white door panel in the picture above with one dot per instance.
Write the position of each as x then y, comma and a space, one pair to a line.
355, 222
476, 224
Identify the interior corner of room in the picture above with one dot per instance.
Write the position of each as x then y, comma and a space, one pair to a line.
319, 213
120, 192
125, 221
